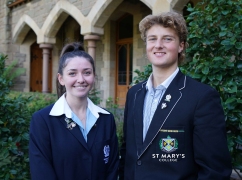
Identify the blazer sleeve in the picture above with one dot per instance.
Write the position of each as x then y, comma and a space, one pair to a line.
40, 155
112, 173
209, 138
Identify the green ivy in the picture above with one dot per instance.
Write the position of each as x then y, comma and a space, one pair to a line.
214, 57
13, 129
142, 75
113, 107
215, 44
94, 96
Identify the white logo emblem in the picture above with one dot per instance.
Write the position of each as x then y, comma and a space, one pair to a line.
163, 105
106, 150
168, 98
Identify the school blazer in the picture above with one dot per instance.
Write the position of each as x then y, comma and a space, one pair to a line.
58, 153
186, 139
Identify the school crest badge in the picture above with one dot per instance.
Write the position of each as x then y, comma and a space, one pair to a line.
106, 150
168, 144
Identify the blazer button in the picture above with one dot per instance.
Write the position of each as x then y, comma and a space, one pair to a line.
139, 162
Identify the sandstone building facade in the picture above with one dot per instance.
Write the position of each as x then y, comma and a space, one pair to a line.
33, 32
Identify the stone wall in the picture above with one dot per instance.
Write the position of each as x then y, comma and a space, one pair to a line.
84, 6
57, 22
4, 27
38, 10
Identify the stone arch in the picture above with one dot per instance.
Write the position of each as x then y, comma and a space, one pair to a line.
149, 3
22, 28
99, 14
178, 5
158, 6
102, 11
56, 18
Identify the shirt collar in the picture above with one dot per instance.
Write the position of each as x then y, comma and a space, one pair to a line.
61, 107
166, 83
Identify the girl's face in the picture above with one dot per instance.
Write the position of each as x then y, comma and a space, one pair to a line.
78, 77
163, 46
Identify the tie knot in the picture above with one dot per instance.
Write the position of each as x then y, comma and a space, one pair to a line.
160, 87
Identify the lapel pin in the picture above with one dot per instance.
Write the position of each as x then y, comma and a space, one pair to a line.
70, 124
163, 105
168, 98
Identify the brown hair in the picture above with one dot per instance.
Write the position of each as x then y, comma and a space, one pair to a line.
171, 20
71, 50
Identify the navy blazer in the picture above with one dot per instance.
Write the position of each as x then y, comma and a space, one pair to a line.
186, 139
57, 152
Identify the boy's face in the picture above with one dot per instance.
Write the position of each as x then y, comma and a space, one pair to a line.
163, 46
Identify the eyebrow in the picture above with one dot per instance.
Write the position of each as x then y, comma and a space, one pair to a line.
151, 36
72, 70
167, 35
76, 69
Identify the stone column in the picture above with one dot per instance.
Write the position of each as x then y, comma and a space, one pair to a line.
45, 69
91, 44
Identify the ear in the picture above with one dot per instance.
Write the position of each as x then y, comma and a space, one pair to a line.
60, 79
181, 47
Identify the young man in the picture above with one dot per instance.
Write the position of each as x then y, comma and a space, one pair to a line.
174, 126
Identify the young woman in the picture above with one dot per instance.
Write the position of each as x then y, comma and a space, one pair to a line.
73, 138
174, 126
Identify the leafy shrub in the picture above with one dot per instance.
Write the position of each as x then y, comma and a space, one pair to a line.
12, 71
142, 75
37, 100
16, 109
94, 96
118, 113
41, 100
13, 130
215, 28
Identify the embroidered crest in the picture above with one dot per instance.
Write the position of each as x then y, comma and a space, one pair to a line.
168, 144
106, 150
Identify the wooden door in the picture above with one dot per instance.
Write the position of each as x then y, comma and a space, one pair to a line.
124, 71
36, 66
124, 56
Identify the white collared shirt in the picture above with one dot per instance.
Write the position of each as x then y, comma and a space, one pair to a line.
152, 99
61, 107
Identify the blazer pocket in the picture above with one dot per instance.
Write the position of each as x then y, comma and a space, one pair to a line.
170, 144
103, 150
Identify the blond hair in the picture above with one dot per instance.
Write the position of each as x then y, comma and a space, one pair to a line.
171, 20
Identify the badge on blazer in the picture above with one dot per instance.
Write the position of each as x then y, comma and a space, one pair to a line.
70, 124
106, 150
168, 144
168, 98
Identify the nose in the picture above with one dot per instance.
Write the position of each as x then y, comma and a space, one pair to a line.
159, 44
81, 78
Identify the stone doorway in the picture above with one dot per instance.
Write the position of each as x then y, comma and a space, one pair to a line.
36, 68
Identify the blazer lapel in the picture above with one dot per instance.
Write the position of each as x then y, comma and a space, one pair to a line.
76, 133
169, 100
138, 116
